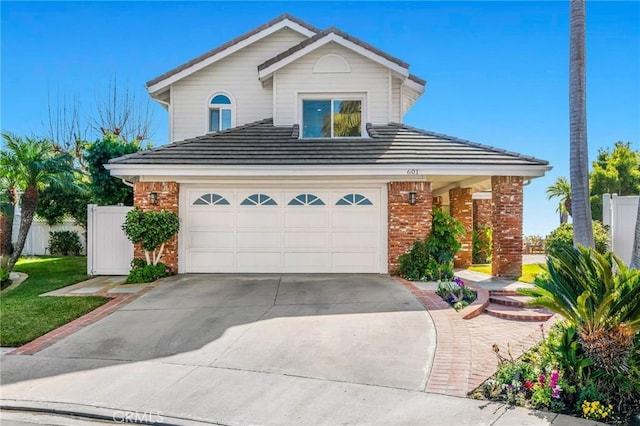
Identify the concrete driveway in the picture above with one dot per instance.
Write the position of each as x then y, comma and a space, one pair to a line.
226, 341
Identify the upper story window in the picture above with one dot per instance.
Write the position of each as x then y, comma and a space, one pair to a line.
220, 113
332, 118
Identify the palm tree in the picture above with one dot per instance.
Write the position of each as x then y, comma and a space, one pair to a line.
579, 156
598, 294
561, 189
8, 201
35, 164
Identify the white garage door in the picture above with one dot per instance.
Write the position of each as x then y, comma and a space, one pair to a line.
281, 230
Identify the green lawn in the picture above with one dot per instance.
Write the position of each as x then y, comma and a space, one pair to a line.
529, 271
25, 316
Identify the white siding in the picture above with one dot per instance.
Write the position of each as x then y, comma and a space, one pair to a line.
236, 75
395, 101
365, 77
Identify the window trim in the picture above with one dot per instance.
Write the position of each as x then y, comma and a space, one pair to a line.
231, 107
331, 97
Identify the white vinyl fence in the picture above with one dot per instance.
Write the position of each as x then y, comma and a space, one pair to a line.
109, 252
37, 242
619, 213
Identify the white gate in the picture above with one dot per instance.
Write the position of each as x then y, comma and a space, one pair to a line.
619, 213
109, 252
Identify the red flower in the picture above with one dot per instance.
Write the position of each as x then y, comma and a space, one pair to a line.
528, 384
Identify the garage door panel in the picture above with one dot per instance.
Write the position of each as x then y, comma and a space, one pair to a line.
354, 240
211, 239
259, 239
258, 261
310, 217
362, 262
259, 217
306, 239
211, 217
210, 261
355, 217
307, 262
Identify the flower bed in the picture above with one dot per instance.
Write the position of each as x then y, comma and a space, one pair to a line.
456, 294
557, 376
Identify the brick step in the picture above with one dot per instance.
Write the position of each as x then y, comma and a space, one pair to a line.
518, 313
505, 292
510, 300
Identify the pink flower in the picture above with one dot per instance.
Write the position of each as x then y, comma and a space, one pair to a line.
553, 382
541, 379
556, 392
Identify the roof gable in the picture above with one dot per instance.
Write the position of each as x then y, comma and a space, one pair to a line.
220, 52
332, 34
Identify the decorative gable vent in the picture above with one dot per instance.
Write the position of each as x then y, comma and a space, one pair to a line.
331, 63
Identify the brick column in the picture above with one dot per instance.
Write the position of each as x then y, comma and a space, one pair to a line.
482, 213
168, 196
461, 208
407, 223
437, 202
507, 200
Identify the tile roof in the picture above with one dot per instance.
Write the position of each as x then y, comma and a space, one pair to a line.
231, 43
324, 33
262, 143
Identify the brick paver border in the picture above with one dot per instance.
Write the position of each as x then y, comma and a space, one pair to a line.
463, 357
54, 336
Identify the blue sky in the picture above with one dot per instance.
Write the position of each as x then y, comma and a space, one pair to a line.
497, 72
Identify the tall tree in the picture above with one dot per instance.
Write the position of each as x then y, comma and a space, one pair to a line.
579, 156
561, 189
107, 190
615, 171
36, 163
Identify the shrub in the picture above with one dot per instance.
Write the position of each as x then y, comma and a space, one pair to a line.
151, 230
564, 235
432, 259
65, 243
141, 272
482, 239
4, 277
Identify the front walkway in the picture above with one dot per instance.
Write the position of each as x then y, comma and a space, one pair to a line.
464, 356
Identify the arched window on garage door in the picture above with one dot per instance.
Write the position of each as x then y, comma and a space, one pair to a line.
258, 200
306, 200
211, 200
354, 200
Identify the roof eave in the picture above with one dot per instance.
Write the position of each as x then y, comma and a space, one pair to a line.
399, 170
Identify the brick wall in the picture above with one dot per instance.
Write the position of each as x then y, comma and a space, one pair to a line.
507, 200
407, 223
482, 213
437, 202
168, 196
461, 208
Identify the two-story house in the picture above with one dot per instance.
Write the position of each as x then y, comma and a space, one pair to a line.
288, 153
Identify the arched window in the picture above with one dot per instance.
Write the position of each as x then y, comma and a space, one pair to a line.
220, 113
354, 200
